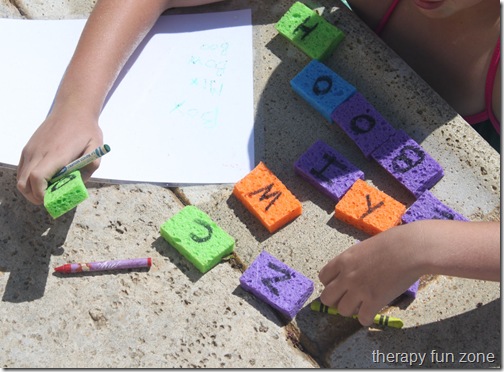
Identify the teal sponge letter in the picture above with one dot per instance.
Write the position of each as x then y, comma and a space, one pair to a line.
65, 194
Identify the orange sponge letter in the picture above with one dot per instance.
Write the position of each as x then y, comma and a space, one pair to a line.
369, 209
267, 198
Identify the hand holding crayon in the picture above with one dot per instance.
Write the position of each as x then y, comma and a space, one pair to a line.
378, 319
81, 162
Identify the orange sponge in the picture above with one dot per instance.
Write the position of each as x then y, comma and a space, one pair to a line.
267, 198
369, 209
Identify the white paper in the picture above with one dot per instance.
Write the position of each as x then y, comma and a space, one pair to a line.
181, 111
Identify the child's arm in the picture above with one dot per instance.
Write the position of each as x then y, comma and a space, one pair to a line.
369, 275
113, 31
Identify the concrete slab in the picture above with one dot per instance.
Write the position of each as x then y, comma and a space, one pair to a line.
289, 126
64, 9
168, 316
172, 316
8, 10
445, 327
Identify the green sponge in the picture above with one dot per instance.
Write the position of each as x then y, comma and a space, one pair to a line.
310, 32
65, 194
197, 238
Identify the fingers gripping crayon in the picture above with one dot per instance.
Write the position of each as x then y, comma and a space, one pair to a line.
379, 319
81, 162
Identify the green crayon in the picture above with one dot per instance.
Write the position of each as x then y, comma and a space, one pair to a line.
81, 162
379, 319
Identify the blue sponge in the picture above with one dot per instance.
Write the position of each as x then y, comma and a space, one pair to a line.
322, 88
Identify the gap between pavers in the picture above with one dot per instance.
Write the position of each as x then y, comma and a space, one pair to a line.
169, 316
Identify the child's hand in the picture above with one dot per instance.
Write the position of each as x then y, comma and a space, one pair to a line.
372, 273
62, 138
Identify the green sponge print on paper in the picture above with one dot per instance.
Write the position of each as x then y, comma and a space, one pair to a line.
197, 238
310, 32
65, 194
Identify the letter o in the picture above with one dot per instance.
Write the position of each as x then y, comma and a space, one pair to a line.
368, 120
320, 89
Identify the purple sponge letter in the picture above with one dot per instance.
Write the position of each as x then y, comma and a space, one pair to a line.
362, 123
408, 163
277, 284
412, 291
428, 207
327, 170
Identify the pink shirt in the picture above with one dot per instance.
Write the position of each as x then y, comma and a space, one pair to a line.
486, 114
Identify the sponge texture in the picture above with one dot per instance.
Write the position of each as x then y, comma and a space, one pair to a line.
277, 284
408, 163
65, 194
310, 32
428, 207
327, 170
322, 88
413, 290
267, 198
369, 209
362, 123
199, 239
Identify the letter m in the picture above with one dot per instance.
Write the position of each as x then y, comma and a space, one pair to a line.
267, 194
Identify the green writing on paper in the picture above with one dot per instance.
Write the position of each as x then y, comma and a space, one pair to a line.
200, 103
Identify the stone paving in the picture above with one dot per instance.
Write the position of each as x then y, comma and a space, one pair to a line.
174, 316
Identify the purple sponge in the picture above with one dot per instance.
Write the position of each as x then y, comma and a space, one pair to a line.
322, 88
362, 123
428, 207
327, 170
409, 163
277, 284
412, 291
